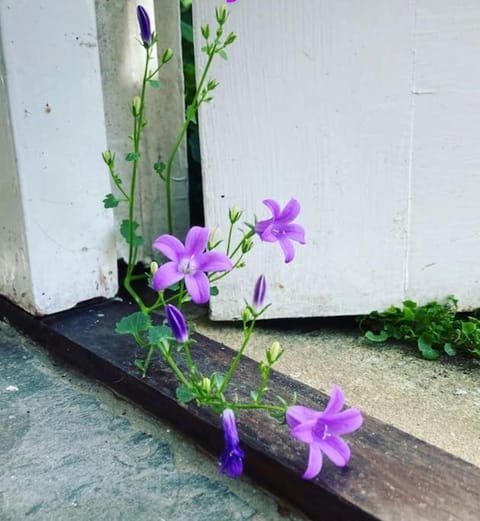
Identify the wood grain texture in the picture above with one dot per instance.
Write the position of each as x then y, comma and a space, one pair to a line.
391, 476
330, 102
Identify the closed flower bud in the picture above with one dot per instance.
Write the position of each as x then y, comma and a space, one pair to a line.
107, 157
274, 352
153, 267
212, 84
221, 14
213, 237
259, 292
167, 55
136, 105
206, 384
234, 214
246, 315
177, 323
205, 31
230, 39
144, 24
247, 245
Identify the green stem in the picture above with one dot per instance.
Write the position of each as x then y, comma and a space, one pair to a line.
171, 362
246, 338
191, 111
148, 359
137, 132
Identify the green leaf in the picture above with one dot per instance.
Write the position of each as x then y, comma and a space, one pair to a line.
217, 380
159, 167
223, 54
377, 337
110, 201
155, 84
133, 324
125, 233
427, 350
214, 291
132, 156
139, 364
254, 396
449, 349
187, 32
184, 394
157, 334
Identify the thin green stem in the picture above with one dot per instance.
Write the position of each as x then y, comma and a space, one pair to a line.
171, 362
191, 111
137, 132
246, 338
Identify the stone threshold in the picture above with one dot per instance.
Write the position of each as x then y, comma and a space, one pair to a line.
391, 475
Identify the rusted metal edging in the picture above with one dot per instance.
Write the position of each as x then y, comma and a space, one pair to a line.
391, 475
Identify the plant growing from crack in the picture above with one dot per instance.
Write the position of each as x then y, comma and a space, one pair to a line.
190, 272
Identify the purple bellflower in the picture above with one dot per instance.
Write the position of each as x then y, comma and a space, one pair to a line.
280, 227
231, 460
259, 292
144, 24
321, 430
189, 262
177, 323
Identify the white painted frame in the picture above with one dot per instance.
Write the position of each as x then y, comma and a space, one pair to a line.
368, 112
57, 243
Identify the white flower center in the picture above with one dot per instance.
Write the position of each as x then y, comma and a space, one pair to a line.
188, 266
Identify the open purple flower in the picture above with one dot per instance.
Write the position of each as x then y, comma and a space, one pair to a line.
280, 227
177, 323
231, 460
189, 262
321, 431
144, 24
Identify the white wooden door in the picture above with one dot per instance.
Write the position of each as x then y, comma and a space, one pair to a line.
368, 112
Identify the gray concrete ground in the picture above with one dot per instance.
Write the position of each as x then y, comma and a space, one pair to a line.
438, 402
72, 450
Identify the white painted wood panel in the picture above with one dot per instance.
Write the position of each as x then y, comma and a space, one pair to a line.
56, 241
315, 102
122, 60
444, 245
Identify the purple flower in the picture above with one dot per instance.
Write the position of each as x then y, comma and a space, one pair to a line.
321, 430
259, 292
230, 1
189, 262
144, 23
177, 323
280, 228
231, 460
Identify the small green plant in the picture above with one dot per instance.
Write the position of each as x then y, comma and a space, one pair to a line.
434, 327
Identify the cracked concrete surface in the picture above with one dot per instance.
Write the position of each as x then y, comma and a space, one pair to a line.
72, 450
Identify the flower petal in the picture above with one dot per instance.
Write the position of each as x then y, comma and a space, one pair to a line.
288, 249
166, 275
273, 206
170, 246
196, 240
343, 422
304, 432
290, 212
295, 232
261, 226
315, 461
268, 233
214, 261
198, 287
336, 450
297, 414
337, 399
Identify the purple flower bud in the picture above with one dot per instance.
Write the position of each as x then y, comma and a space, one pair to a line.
144, 23
259, 292
177, 323
231, 460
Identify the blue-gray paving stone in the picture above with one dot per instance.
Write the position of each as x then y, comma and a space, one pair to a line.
65, 455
